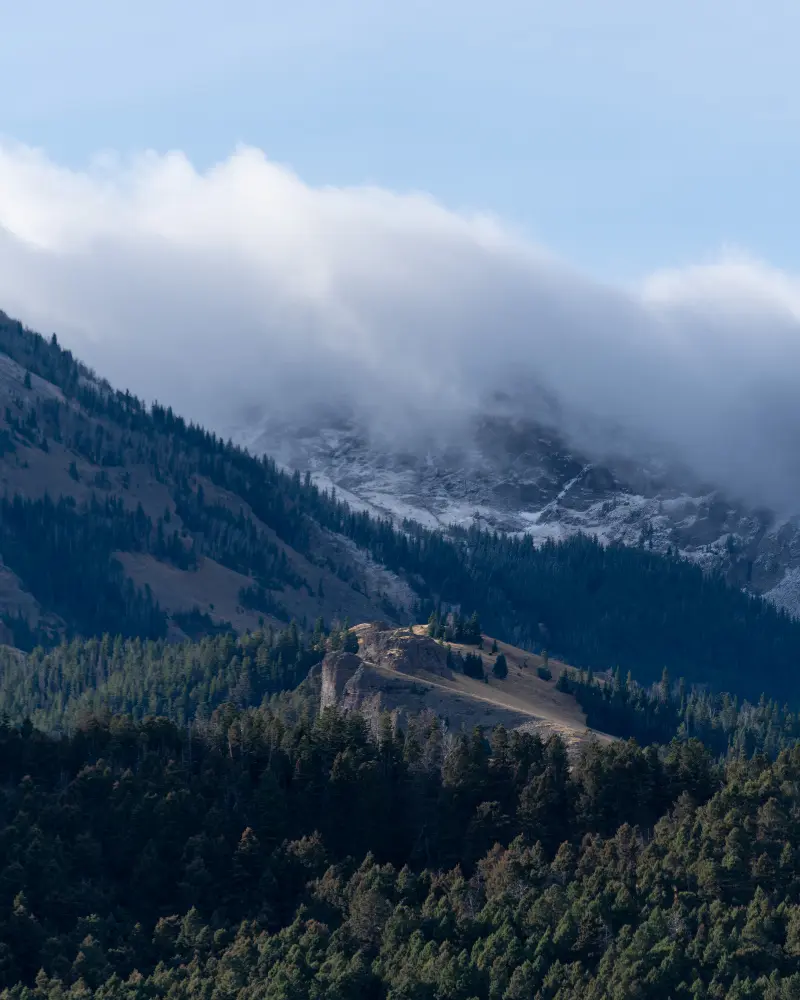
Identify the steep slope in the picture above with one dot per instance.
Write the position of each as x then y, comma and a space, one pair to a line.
518, 476
82, 461
124, 519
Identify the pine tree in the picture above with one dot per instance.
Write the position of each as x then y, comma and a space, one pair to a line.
500, 667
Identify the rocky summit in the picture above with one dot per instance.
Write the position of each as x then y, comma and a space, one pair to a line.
517, 476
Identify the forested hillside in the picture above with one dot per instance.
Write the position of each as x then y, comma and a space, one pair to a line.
178, 820
56, 689
252, 857
664, 711
121, 518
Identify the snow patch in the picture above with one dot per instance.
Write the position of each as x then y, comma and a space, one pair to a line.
523, 482
787, 593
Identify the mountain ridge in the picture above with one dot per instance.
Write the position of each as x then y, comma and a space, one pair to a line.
521, 477
114, 510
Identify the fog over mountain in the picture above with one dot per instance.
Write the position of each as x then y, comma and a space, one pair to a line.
241, 294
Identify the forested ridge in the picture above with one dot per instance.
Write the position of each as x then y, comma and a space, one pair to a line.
592, 605
250, 856
56, 689
660, 712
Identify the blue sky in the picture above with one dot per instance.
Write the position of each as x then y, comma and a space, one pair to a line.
624, 136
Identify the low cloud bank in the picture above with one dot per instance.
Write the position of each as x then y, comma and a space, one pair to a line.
241, 294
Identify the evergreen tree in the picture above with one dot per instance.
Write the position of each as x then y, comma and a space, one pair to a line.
500, 667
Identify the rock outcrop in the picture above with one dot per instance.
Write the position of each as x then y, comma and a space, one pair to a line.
400, 649
405, 673
395, 671
338, 668
353, 685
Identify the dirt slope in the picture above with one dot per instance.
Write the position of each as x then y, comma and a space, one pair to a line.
403, 671
32, 471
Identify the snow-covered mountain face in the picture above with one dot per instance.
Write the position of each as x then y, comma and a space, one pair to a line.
518, 477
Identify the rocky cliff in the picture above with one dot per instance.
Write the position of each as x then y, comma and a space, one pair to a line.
517, 476
400, 649
404, 672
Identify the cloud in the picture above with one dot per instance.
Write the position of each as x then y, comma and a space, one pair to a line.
241, 293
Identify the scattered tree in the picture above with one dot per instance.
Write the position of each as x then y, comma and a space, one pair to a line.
500, 667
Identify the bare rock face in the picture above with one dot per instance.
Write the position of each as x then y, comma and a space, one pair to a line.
400, 649
351, 685
389, 675
405, 676
337, 669
510, 473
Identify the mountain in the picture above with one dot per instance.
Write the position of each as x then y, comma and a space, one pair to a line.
514, 475
124, 519
267, 813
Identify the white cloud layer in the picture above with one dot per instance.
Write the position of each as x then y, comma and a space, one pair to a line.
242, 290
